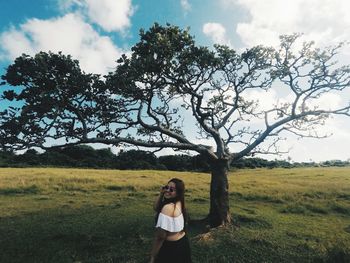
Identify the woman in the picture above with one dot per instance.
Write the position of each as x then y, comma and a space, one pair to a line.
171, 244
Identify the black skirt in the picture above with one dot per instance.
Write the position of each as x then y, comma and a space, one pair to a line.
175, 251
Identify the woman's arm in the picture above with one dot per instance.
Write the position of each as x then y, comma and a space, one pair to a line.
157, 243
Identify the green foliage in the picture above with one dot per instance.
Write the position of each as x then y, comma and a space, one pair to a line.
50, 85
86, 156
53, 101
134, 159
5, 158
184, 162
259, 163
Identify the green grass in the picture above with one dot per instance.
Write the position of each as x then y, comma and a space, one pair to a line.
72, 215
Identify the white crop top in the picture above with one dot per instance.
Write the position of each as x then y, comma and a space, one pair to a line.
171, 224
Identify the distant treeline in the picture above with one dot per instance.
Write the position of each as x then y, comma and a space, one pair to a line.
87, 157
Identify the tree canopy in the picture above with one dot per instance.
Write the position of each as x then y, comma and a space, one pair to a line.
168, 81
142, 102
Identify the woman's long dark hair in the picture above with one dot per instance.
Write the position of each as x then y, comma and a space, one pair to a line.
180, 196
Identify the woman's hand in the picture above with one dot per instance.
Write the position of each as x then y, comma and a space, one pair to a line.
162, 190
159, 199
161, 193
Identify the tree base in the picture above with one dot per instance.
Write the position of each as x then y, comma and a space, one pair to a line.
211, 222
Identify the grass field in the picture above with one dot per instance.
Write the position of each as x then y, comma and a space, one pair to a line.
72, 215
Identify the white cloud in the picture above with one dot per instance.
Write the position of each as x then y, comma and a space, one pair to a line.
334, 147
329, 101
14, 43
217, 33
321, 20
67, 5
111, 15
185, 5
267, 99
69, 34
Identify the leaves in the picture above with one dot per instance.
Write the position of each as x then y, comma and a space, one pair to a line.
166, 77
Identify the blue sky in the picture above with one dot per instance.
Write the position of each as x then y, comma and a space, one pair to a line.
16, 13
98, 31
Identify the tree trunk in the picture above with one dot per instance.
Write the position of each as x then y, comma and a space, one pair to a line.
219, 213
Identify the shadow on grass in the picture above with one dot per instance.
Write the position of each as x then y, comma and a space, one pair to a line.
306, 208
128, 188
33, 189
70, 235
335, 253
257, 197
340, 209
230, 243
251, 221
115, 234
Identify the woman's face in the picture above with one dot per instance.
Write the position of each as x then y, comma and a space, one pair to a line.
170, 190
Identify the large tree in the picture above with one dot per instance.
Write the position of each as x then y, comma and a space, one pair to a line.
167, 90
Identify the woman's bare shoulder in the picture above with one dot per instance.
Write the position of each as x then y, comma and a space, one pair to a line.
168, 209
171, 209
